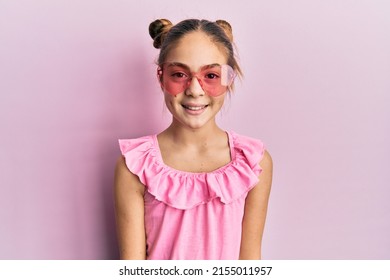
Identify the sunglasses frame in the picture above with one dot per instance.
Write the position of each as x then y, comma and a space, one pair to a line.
227, 76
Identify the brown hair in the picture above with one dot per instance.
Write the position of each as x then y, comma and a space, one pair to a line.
165, 36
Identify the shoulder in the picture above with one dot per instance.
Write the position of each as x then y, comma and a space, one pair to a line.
260, 193
141, 143
139, 154
266, 161
120, 166
266, 166
248, 142
125, 179
253, 149
244, 139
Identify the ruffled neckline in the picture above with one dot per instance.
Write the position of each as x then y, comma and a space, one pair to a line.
186, 190
189, 173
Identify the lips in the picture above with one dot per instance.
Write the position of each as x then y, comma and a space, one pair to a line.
194, 107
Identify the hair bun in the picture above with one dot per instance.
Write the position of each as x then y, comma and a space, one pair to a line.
226, 27
158, 29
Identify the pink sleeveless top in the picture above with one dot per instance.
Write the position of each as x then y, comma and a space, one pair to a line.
193, 216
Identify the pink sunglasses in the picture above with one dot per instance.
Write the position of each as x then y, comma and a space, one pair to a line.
214, 79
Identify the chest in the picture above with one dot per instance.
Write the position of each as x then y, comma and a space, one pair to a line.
207, 160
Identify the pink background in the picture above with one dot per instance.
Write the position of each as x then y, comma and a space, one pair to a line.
77, 75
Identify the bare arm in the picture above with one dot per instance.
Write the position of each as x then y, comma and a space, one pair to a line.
129, 210
256, 205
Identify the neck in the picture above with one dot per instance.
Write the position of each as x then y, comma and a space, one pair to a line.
194, 136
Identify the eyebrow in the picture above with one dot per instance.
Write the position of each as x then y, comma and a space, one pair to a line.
187, 67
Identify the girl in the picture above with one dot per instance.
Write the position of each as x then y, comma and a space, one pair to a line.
193, 191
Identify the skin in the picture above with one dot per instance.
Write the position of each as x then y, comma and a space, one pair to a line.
192, 143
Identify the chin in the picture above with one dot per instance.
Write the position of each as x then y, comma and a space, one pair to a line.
192, 123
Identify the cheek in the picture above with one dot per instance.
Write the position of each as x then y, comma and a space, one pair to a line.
218, 101
170, 100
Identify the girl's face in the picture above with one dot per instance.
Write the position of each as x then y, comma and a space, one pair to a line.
194, 108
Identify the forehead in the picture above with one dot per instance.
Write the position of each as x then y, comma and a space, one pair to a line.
196, 49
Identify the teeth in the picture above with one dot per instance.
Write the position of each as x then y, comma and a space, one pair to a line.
194, 108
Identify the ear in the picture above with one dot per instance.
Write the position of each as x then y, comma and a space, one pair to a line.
160, 76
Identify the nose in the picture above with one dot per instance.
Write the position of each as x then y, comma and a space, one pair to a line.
194, 87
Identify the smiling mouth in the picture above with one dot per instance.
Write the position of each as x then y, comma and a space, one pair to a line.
194, 108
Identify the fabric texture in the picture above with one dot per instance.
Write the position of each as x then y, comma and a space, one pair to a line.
194, 215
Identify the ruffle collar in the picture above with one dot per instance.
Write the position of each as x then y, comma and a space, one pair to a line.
186, 190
